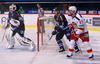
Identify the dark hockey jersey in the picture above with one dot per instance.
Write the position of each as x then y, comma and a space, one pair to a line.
16, 16
61, 21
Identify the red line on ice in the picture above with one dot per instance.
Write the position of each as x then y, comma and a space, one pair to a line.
34, 57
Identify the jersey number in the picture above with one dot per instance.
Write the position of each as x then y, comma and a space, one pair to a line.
81, 22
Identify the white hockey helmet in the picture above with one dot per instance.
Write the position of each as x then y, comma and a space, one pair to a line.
12, 7
73, 8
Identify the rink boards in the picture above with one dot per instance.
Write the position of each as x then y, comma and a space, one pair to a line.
31, 19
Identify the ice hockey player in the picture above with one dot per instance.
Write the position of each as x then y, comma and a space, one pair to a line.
61, 28
79, 28
17, 29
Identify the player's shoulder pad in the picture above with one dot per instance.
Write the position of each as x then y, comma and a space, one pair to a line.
17, 13
69, 15
61, 16
78, 16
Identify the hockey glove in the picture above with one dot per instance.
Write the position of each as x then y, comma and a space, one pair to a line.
15, 22
59, 29
54, 32
76, 37
71, 27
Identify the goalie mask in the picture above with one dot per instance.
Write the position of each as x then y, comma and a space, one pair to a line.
12, 7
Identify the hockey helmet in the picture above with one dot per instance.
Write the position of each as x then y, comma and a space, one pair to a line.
12, 7
56, 9
73, 9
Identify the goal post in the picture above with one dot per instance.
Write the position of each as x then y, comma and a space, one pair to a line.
41, 20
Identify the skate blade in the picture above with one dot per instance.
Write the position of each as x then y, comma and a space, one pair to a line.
91, 59
69, 57
64, 52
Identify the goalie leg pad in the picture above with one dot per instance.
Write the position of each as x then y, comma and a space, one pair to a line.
10, 39
30, 42
26, 42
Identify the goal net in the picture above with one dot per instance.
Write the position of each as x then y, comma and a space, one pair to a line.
45, 26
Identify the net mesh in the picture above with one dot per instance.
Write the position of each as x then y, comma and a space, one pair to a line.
48, 45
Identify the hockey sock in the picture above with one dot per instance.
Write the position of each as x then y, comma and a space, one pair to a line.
76, 46
60, 45
71, 51
90, 52
71, 47
89, 49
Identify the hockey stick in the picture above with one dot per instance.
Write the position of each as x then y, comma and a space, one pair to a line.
50, 37
79, 48
3, 36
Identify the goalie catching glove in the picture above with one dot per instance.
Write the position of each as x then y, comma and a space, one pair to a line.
15, 23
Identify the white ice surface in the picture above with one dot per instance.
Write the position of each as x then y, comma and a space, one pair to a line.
48, 53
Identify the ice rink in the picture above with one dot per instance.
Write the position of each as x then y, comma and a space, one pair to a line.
49, 52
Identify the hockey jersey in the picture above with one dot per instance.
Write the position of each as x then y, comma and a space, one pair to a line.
61, 21
15, 15
78, 23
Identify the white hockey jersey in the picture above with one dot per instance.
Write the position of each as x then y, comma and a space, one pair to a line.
78, 23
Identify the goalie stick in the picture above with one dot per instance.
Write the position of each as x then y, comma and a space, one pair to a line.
3, 36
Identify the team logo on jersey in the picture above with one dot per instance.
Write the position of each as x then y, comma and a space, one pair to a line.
73, 23
86, 35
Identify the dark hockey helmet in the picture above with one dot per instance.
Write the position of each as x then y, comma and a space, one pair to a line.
38, 5
56, 9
